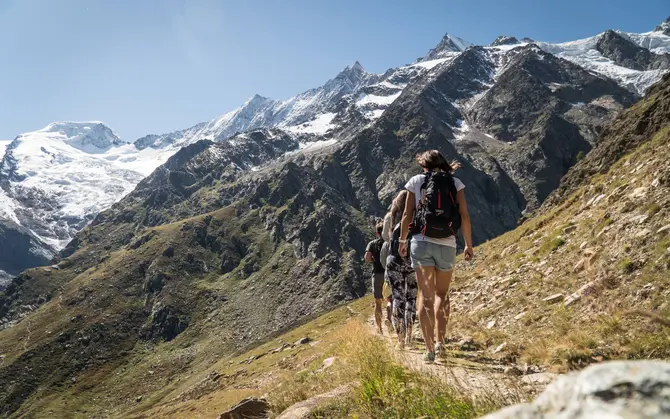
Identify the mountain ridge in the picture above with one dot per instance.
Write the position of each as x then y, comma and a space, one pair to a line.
335, 111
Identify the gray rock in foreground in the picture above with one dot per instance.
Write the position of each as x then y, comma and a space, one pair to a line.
617, 389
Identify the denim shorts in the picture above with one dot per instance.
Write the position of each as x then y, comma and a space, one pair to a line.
425, 254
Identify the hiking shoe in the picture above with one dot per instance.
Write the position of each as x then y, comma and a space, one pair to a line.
429, 357
439, 349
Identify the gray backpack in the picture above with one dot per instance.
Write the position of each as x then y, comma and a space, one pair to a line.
384, 253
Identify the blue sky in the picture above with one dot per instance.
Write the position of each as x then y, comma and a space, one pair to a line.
153, 66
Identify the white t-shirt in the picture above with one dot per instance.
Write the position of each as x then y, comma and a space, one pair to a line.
414, 185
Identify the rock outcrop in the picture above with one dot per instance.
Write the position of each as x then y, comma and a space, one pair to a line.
628, 54
617, 389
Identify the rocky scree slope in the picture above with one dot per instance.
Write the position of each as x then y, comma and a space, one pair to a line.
208, 253
522, 302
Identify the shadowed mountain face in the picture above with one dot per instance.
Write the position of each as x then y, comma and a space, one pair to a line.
231, 242
627, 54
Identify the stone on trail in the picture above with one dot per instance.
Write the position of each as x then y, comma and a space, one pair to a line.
327, 363
491, 324
307, 408
500, 347
615, 389
569, 229
302, 341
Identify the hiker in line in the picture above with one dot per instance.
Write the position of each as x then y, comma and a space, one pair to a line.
386, 290
435, 209
400, 275
372, 255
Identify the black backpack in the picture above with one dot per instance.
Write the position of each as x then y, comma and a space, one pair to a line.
378, 264
437, 214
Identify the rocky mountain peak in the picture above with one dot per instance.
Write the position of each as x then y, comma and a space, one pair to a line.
504, 40
664, 27
448, 44
355, 74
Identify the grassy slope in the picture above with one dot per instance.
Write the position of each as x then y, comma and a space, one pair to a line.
222, 314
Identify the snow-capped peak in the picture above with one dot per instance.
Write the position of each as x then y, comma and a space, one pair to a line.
91, 137
357, 67
256, 100
504, 40
352, 75
448, 44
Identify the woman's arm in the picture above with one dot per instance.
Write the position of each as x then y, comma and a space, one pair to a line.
386, 231
406, 220
466, 227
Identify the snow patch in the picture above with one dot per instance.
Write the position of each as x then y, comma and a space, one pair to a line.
316, 145
376, 113
377, 100
429, 65
320, 125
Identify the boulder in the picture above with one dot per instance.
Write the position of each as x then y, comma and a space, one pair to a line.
248, 409
553, 298
616, 389
307, 408
302, 341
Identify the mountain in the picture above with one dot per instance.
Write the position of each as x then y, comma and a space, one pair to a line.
664, 27
297, 114
505, 40
626, 53
337, 111
53, 182
448, 44
600, 54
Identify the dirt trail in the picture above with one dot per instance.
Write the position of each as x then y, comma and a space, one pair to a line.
468, 372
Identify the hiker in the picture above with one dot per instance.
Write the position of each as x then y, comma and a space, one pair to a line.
400, 275
434, 211
372, 255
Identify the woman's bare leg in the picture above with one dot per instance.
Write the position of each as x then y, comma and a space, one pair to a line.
442, 306
425, 278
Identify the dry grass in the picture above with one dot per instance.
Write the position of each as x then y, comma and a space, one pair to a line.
385, 388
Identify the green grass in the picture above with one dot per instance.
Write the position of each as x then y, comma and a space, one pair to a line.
653, 208
625, 265
551, 245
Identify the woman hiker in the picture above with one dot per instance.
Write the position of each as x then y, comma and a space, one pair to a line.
435, 208
400, 275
